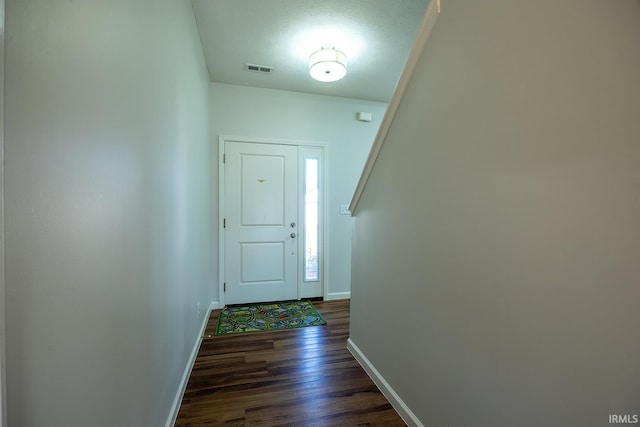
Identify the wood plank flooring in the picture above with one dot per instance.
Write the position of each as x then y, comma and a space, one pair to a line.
302, 377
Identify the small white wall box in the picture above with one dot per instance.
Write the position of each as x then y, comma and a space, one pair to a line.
363, 117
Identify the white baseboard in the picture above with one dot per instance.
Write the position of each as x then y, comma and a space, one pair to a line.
175, 408
338, 295
398, 404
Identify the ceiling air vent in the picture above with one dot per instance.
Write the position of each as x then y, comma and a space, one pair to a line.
258, 68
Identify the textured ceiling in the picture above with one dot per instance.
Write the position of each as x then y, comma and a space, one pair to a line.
375, 35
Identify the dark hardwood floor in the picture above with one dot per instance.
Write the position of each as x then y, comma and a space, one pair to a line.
301, 377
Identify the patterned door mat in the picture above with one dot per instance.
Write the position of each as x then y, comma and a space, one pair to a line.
238, 319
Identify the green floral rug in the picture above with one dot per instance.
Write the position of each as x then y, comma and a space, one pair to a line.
237, 319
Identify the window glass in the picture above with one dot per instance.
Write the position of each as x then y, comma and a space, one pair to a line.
311, 216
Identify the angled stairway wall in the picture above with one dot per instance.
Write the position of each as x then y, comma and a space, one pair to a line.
495, 273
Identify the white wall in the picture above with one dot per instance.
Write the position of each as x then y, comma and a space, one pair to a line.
495, 262
291, 116
107, 209
3, 383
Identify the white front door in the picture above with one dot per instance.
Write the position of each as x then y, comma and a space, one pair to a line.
260, 222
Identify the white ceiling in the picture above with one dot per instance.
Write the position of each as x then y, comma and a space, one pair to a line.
375, 35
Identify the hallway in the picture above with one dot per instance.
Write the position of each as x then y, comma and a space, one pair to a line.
302, 377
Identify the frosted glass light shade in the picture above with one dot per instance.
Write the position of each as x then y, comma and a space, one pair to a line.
327, 65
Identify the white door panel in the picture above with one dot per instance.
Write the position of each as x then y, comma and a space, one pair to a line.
261, 204
262, 262
262, 190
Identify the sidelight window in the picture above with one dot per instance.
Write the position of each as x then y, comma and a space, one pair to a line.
311, 219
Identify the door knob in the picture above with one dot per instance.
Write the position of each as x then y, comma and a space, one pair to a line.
293, 235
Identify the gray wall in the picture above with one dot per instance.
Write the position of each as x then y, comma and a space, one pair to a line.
495, 268
107, 209
3, 383
292, 116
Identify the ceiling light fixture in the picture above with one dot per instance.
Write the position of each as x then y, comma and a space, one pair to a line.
327, 65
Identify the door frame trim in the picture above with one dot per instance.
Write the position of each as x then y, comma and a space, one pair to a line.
222, 139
